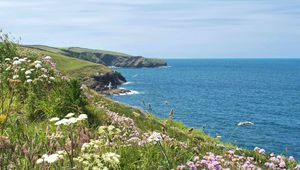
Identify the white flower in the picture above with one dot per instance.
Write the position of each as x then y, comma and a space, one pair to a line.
48, 58
16, 58
32, 69
17, 62
7, 59
51, 78
111, 157
27, 77
38, 65
22, 69
22, 60
44, 70
39, 161
82, 117
61, 122
70, 115
54, 119
72, 120
28, 80
52, 158
15, 76
27, 72
155, 137
37, 62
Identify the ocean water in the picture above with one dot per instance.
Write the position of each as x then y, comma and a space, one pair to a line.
216, 94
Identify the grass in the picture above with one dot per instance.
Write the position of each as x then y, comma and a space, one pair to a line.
71, 66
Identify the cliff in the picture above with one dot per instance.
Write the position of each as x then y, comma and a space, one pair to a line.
107, 58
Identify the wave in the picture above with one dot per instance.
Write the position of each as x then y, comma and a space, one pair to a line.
164, 67
132, 92
126, 83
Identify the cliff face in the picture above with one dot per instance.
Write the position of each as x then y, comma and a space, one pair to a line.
117, 60
101, 82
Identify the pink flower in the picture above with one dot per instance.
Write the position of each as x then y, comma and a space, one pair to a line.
256, 149
196, 158
262, 151
282, 164
291, 159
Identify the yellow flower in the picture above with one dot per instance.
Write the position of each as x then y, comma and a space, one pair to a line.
2, 118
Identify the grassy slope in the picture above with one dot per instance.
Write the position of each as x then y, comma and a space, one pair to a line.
86, 50
71, 66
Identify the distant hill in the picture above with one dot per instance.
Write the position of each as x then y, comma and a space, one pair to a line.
108, 58
95, 76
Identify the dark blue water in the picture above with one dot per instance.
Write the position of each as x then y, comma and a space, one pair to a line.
215, 95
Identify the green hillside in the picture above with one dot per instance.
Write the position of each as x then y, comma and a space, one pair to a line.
70, 65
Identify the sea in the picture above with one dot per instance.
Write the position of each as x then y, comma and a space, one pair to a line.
215, 95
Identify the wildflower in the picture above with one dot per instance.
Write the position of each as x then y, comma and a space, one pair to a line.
39, 161
16, 58
245, 123
48, 58
44, 70
7, 59
51, 78
110, 127
297, 167
291, 159
262, 151
17, 62
180, 167
70, 115
38, 66
37, 62
15, 77
27, 72
282, 164
82, 117
29, 81
54, 119
2, 118
62, 122
111, 157
155, 137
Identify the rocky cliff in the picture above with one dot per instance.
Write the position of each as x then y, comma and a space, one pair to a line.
113, 59
104, 81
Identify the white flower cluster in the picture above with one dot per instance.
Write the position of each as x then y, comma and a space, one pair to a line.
92, 145
111, 158
97, 161
69, 119
51, 158
154, 137
27, 70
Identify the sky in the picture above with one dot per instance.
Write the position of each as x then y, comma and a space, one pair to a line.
160, 28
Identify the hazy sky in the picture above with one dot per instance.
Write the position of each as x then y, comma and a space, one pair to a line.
160, 28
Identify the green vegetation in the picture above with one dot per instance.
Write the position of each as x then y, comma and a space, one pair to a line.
108, 58
68, 65
47, 122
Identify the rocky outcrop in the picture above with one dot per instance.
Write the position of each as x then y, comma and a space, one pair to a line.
116, 60
105, 81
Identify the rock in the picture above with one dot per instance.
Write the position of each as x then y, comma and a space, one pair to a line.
105, 81
116, 60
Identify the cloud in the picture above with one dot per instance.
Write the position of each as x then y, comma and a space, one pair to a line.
168, 28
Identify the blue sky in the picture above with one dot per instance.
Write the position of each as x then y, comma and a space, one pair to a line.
160, 28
